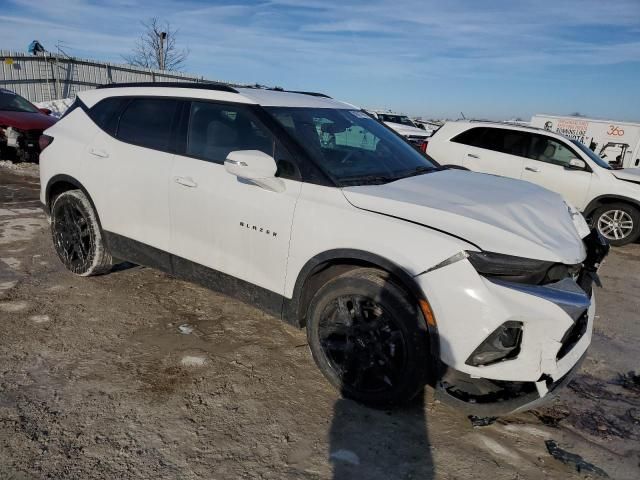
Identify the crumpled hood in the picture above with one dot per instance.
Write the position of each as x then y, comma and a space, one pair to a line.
629, 174
406, 130
26, 120
497, 214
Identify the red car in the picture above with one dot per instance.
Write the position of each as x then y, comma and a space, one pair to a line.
21, 124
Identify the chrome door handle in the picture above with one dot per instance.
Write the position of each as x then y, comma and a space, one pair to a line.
97, 152
186, 181
472, 155
532, 169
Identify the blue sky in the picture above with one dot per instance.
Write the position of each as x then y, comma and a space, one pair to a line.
492, 59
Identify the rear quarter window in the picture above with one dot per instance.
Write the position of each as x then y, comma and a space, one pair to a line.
106, 113
147, 122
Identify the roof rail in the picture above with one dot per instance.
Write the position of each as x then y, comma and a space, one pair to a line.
199, 85
280, 89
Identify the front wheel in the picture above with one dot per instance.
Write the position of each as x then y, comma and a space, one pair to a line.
369, 338
77, 237
619, 223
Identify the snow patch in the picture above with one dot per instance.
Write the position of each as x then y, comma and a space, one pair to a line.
12, 307
185, 329
12, 262
57, 107
193, 361
39, 318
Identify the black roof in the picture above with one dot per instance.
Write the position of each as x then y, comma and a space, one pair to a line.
223, 87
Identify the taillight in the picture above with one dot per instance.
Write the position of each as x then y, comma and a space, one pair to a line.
44, 141
423, 147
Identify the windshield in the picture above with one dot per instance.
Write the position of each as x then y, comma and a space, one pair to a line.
350, 146
15, 103
402, 119
592, 155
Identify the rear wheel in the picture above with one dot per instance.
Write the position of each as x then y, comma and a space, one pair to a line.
368, 338
619, 223
77, 237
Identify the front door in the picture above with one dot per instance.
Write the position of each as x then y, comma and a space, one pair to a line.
548, 166
219, 220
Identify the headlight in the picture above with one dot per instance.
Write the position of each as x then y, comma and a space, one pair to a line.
502, 344
513, 269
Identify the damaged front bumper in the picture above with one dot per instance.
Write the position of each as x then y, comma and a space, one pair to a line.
556, 320
23, 142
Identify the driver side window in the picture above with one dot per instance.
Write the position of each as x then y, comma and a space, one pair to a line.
548, 150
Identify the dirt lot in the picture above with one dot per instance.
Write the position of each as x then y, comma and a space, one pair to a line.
138, 375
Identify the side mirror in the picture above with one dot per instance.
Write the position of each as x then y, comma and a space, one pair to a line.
255, 166
46, 111
577, 164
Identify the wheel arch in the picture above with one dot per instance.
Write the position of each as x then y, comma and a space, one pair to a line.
606, 199
61, 183
328, 264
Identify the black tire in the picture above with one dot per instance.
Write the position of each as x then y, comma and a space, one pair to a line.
619, 223
369, 338
77, 237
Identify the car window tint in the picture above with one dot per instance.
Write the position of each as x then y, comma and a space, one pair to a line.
106, 113
548, 150
147, 122
470, 137
215, 130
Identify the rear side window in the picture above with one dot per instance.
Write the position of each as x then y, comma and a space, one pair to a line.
105, 114
215, 130
512, 142
470, 137
147, 122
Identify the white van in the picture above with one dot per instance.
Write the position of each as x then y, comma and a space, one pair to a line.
616, 142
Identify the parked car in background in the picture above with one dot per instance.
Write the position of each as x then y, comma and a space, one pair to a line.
402, 272
403, 125
21, 124
616, 142
608, 197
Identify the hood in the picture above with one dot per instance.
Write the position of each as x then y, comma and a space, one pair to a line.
406, 130
628, 174
26, 120
496, 214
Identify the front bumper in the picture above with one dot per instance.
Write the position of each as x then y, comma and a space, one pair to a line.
557, 322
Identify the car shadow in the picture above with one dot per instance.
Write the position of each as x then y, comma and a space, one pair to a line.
367, 443
373, 444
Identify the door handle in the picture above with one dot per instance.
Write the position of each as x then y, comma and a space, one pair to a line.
532, 169
186, 181
472, 155
98, 152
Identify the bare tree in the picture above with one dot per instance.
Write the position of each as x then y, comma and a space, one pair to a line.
156, 47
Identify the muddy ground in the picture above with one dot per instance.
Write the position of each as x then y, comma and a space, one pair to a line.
136, 374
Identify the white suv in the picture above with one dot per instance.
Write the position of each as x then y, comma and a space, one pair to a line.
405, 127
403, 273
608, 197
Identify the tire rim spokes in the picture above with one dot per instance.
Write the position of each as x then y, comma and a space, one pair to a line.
615, 224
72, 234
363, 344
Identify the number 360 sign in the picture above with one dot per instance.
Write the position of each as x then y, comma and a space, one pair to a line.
615, 131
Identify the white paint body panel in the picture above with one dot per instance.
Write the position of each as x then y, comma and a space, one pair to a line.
206, 222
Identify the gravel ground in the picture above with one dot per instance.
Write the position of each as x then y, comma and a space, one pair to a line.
137, 374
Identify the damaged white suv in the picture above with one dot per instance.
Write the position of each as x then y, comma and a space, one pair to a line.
404, 273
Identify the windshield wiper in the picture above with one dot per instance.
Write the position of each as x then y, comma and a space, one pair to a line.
419, 171
367, 180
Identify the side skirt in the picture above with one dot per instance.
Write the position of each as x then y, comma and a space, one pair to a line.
139, 253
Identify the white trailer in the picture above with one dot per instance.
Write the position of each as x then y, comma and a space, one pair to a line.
616, 142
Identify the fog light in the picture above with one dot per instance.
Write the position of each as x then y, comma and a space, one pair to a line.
502, 344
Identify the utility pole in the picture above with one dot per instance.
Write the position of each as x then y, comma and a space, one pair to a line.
163, 36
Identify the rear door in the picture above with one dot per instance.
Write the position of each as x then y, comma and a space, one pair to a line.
219, 220
548, 166
129, 164
498, 151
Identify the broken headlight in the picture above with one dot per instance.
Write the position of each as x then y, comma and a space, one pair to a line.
503, 344
520, 269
